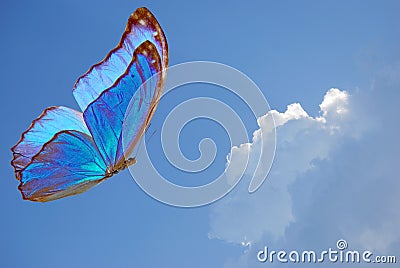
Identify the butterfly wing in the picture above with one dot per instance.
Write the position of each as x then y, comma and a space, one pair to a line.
68, 164
42, 129
73, 161
64, 153
105, 116
142, 26
56, 156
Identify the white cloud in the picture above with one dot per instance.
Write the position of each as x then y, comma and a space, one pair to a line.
335, 103
301, 139
334, 177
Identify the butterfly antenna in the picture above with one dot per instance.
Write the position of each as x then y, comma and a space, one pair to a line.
152, 134
141, 142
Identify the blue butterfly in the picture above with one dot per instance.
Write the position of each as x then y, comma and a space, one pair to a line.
65, 152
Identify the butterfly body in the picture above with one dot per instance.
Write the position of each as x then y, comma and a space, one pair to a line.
65, 152
113, 171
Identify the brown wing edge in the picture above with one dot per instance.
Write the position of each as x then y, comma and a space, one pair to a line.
14, 163
139, 14
78, 189
150, 51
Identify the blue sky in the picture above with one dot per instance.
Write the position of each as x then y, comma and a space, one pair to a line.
295, 52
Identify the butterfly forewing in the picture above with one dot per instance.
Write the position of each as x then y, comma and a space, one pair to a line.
142, 26
105, 116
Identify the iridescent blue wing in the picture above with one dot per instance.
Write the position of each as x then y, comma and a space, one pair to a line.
42, 129
57, 156
105, 116
142, 26
68, 164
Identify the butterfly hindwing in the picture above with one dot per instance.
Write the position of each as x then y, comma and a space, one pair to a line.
51, 121
68, 164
